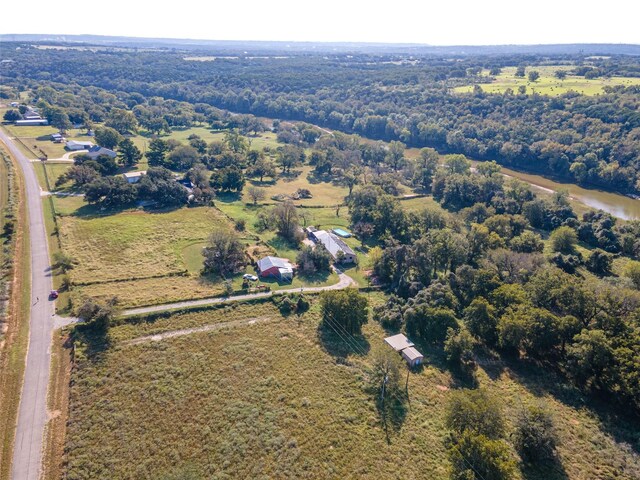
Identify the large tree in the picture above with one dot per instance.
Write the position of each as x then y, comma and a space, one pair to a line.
344, 311
129, 153
287, 221
107, 137
224, 253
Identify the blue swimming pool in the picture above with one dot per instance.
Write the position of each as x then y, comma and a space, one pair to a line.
341, 233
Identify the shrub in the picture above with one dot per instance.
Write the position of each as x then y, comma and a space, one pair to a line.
535, 437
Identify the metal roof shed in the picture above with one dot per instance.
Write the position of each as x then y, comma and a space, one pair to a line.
412, 356
398, 342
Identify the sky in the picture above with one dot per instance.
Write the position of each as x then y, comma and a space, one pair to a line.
443, 22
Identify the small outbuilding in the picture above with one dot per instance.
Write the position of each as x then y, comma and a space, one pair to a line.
398, 342
412, 356
401, 344
134, 177
74, 145
275, 267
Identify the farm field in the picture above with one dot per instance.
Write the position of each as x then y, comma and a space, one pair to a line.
548, 84
279, 400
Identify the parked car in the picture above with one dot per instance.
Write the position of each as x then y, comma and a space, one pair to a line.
53, 294
248, 276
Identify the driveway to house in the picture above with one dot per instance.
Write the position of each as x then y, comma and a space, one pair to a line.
32, 415
344, 281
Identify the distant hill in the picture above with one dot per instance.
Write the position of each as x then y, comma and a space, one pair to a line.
311, 47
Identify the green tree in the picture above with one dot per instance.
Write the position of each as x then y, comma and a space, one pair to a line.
12, 115
129, 153
590, 359
563, 240
560, 74
287, 221
224, 253
228, 179
458, 348
182, 158
599, 262
107, 137
263, 167
475, 411
430, 323
476, 457
123, 121
632, 272
481, 320
395, 155
157, 152
344, 310
535, 437
534, 75
520, 71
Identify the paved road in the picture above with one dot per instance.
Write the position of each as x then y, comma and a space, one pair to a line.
32, 417
344, 282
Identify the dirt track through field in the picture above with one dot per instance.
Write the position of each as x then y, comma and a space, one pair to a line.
188, 331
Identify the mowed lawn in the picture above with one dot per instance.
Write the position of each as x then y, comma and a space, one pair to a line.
548, 84
324, 193
277, 400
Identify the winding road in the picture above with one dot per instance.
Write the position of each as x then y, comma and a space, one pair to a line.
343, 282
32, 415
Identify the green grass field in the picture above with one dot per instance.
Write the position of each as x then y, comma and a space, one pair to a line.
278, 400
548, 84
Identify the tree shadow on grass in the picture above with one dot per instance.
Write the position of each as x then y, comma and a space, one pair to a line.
227, 197
548, 469
264, 183
393, 412
337, 343
95, 341
623, 426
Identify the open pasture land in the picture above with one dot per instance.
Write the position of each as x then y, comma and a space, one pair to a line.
135, 255
277, 399
325, 193
548, 84
38, 139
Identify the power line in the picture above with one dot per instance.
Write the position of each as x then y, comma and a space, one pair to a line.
332, 323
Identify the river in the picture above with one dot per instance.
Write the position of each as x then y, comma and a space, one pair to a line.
616, 204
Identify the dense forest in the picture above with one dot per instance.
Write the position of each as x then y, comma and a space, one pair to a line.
593, 140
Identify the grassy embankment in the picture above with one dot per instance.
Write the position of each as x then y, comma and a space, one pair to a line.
284, 400
15, 338
548, 84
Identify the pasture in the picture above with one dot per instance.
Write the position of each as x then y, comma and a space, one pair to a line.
547, 84
281, 399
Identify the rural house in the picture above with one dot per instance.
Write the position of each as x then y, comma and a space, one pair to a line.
275, 267
74, 145
32, 122
96, 151
334, 245
400, 343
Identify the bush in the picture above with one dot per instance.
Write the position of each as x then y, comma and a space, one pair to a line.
475, 411
478, 457
535, 437
458, 347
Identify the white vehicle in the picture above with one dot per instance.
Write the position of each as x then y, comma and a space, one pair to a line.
248, 276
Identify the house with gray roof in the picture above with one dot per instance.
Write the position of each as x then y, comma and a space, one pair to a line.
334, 245
96, 151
